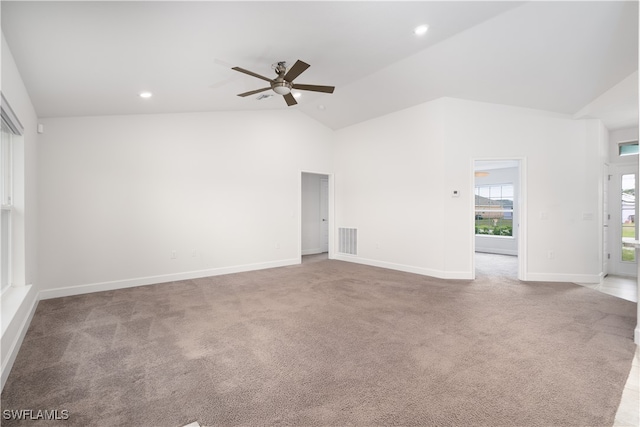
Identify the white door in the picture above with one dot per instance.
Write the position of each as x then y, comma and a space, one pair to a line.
623, 207
324, 214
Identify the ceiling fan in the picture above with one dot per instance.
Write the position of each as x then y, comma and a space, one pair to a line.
283, 84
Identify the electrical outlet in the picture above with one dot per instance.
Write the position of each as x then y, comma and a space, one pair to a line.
551, 254
174, 254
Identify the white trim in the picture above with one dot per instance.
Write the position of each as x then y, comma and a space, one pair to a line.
311, 251
522, 214
151, 280
7, 363
331, 207
523, 222
562, 277
466, 275
497, 251
636, 335
10, 117
9, 242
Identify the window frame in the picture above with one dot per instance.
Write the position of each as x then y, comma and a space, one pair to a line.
12, 127
501, 210
627, 144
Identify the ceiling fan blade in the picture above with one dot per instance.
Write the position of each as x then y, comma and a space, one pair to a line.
254, 91
298, 68
290, 99
314, 88
251, 73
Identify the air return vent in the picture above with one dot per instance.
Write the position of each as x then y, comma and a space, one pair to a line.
348, 241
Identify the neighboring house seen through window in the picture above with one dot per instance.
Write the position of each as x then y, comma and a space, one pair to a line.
494, 210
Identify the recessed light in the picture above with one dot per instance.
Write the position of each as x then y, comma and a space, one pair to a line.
297, 95
145, 94
420, 30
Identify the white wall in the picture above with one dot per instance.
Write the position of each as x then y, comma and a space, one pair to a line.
221, 189
504, 245
311, 217
564, 164
18, 302
395, 176
388, 183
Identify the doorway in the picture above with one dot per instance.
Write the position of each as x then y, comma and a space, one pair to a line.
498, 216
314, 214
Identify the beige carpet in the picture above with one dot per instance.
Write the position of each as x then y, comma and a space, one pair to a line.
328, 344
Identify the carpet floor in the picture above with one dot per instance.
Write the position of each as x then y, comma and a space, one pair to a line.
327, 344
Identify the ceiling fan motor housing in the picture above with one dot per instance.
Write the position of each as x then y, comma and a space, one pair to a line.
281, 88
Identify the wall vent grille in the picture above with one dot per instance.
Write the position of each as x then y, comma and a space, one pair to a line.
348, 241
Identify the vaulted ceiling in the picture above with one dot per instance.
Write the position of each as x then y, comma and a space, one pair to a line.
83, 58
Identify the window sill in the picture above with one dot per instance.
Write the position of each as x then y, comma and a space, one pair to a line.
495, 237
11, 300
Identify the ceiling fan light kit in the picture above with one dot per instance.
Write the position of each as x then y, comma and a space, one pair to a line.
281, 88
283, 84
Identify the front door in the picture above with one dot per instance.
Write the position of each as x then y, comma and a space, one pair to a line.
623, 226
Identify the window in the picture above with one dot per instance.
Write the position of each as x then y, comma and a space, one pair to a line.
11, 126
628, 210
494, 210
6, 205
629, 148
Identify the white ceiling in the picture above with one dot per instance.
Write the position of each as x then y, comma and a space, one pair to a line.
84, 58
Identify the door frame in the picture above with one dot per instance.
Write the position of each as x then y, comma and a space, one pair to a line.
324, 222
331, 219
606, 220
522, 205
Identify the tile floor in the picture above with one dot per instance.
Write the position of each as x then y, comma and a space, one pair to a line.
628, 414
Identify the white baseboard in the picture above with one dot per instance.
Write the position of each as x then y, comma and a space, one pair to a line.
636, 335
151, 280
562, 277
465, 275
10, 356
311, 251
